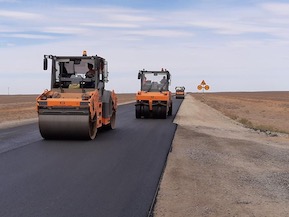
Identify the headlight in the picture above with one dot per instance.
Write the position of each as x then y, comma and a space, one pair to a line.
44, 97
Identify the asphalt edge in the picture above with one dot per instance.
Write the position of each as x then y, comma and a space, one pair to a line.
152, 206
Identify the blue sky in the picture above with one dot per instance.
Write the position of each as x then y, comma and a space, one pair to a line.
233, 45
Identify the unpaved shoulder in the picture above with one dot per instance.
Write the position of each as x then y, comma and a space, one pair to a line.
198, 116
219, 168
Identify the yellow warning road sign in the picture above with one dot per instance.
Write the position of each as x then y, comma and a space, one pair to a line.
203, 86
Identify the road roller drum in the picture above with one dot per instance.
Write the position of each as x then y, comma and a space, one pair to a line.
67, 127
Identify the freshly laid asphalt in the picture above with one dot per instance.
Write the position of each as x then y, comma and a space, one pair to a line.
116, 174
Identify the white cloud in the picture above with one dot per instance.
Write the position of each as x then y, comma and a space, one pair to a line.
63, 30
5, 44
161, 33
111, 25
131, 18
247, 43
101, 10
277, 8
236, 26
19, 15
31, 36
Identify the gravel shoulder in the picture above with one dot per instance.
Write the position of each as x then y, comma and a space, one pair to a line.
217, 167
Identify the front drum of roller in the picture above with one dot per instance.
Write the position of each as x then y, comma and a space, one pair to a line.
67, 127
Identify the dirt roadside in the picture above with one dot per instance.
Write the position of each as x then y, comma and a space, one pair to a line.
219, 168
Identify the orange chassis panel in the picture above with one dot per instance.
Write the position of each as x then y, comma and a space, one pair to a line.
153, 96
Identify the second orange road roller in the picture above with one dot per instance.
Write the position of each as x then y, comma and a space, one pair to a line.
77, 104
154, 100
180, 92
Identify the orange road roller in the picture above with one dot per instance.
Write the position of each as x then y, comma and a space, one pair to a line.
154, 100
180, 92
77, 104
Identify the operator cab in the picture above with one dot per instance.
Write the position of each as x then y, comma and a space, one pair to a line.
77, 72
154, 81
71, 73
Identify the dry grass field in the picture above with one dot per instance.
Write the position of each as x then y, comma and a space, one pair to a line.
263, 111
21, 107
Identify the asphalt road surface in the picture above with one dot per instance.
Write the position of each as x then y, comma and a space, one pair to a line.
116, 174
